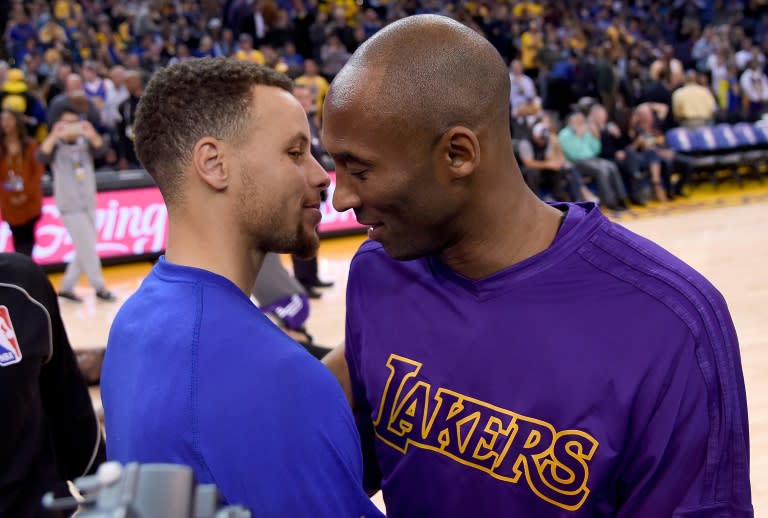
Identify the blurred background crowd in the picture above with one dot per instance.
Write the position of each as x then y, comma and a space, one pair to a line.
652, 65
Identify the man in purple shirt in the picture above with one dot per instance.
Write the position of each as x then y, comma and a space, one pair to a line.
504, 356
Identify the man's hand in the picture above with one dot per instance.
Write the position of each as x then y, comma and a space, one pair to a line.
88, 130
557, 163
59, 130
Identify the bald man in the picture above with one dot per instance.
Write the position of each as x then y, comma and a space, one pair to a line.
505, 356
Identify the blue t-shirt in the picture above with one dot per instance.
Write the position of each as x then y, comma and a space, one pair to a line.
195, 374
600, 377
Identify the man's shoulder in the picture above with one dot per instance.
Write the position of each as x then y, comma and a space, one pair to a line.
632, 259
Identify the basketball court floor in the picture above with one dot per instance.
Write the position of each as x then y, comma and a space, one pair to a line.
721, 232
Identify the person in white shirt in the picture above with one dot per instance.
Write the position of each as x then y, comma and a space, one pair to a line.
754, 87
522, 88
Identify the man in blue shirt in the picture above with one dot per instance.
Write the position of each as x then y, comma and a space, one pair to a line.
194, 373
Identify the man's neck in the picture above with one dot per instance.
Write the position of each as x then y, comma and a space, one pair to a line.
503, 233
216, 250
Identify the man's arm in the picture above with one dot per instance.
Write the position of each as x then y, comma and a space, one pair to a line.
97, 143
690, 456
337, 364
75, 431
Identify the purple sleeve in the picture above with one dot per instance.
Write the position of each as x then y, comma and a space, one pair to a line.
691, 458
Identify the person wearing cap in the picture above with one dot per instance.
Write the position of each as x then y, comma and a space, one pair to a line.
541, 154
15, 87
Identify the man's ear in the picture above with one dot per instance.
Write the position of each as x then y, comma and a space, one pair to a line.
208, 162
460, 151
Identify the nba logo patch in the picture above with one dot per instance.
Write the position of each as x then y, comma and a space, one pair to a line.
10, 352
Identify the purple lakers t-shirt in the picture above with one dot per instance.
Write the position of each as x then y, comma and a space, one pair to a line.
600, 377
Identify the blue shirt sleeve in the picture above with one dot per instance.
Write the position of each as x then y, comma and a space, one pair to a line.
283, 446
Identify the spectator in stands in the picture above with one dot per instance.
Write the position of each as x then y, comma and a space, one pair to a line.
74, 96
659, 92
581, 145
522, 87
693, 105
543, 163
748, 53
58, 84
531, 42
754, 88
316, 83
126, 154
733, 95
70, 150
647, 138
95, 87
598, 51
246, 52
675, 73
614, 146
16, 91
21, 196
334, 56
117, 92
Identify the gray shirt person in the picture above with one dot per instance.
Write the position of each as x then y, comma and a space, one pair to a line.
69, 150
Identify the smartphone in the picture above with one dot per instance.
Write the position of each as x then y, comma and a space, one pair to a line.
73, 129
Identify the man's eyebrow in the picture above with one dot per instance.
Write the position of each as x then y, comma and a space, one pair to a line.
299, 138
347, 156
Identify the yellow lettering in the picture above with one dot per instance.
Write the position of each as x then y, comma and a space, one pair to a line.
474, 433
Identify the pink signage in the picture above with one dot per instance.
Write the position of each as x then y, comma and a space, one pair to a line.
133, 222
336, 221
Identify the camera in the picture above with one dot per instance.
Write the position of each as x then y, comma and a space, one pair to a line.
144, 491
73, 129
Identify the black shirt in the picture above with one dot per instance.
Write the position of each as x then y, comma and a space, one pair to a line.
49, 432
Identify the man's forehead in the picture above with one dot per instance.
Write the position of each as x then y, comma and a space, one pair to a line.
356, 85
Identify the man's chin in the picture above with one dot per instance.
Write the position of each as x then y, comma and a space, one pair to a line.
306, 246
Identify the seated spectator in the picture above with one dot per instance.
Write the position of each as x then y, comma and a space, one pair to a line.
693, 105
246, 52
581, 145
754, 87
541, 157
334, 55
522, 88
316, 83
672, 67
615, 147
126, 154
648, 139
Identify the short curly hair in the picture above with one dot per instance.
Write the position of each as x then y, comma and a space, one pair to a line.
191, 100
